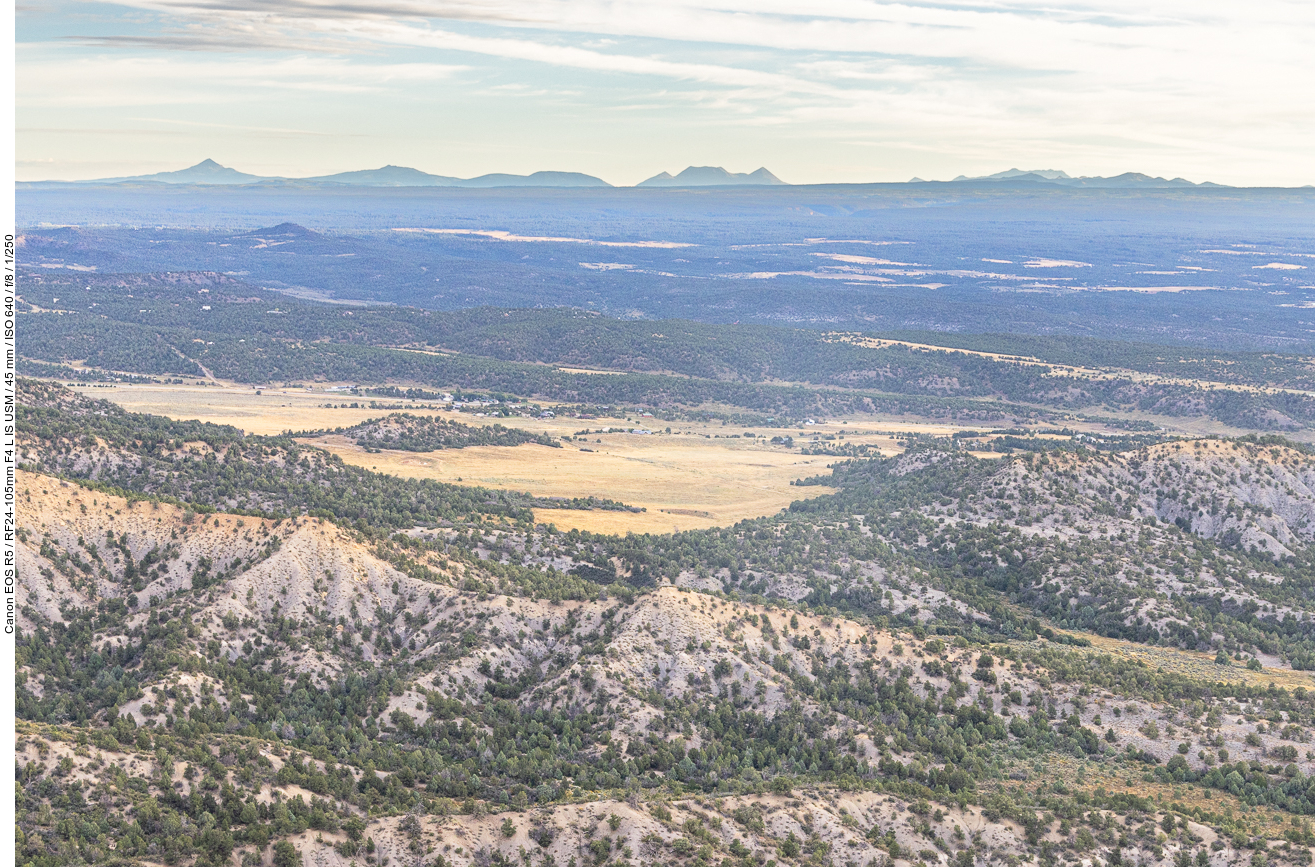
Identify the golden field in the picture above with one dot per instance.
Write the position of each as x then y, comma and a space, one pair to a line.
683, 481
1193, 664
698, 476
273, 411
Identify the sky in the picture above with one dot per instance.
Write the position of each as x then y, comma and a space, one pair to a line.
827, 91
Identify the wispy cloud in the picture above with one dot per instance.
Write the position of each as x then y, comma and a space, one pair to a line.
1205, 85
50, 79
233, 127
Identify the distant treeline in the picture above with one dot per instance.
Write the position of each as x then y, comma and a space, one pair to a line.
404, 431
254, 336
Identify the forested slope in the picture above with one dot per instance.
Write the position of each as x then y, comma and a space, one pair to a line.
179, 325
359, 668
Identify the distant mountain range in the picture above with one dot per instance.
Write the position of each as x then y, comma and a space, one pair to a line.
210, 173
400, 176
1055, 176
204, 172
712, 176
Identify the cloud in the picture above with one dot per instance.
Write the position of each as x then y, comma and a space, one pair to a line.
1055, 36
1204, 87
50, 78
192, 124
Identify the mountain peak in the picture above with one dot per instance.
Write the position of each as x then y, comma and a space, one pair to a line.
205, 172
286, 229
388, 176
1055, 176
537, 179
1026, 174
712, 176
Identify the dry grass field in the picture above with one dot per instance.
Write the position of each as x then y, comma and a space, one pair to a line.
273, 411
1084, 775
683, 481
1057, 369
1199, 666
700, 475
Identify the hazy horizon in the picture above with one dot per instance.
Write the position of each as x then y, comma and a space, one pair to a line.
832, 93
173, 169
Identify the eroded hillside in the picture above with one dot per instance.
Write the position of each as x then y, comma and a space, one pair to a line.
235, 649
202, 685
